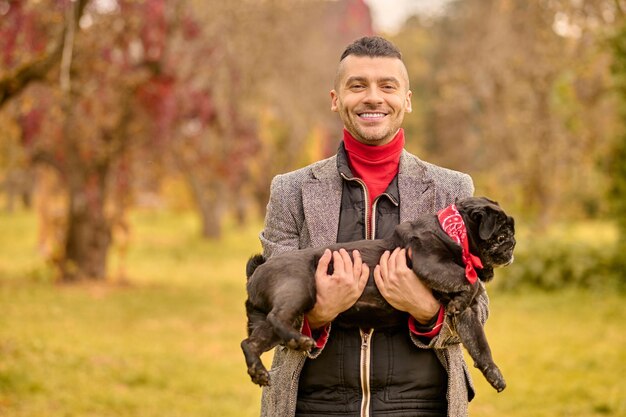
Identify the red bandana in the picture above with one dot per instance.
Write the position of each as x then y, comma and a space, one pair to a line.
452, 223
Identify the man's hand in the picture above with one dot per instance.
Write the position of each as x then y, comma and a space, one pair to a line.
337, 292
399, 285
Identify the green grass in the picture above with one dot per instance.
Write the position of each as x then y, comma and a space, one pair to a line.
562, 354
164, 339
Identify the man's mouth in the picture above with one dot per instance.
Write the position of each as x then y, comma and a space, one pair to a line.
371, 115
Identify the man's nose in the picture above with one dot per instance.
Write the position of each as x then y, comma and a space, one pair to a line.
373, 95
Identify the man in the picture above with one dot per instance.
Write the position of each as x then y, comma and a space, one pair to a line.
364, 191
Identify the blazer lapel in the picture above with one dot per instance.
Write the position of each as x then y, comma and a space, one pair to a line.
417, 190
321, 198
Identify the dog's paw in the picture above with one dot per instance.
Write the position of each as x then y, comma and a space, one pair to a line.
495, 378
499, 385
259, 375
303, 343
456, 307
307, 344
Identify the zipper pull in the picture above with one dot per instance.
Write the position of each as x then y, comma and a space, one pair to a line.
365, 338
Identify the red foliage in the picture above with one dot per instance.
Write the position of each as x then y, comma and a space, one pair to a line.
190, 28
31, 123
348, 20
154, 31
158, 99
21, 33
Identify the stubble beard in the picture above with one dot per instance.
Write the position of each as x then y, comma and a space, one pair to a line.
372, 137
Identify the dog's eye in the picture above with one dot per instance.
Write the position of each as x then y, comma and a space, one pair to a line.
501, 238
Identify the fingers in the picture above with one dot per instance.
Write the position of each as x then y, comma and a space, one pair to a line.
361, 270
393, 259
357, 266
397, 260
341, 262
378, 279
322, 265
401, 258
358, 261
383, 264
344, 267
364, 277
347, 261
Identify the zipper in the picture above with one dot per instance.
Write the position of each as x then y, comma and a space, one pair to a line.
374, 217
390, 197
367, 199
370, 230
366, 348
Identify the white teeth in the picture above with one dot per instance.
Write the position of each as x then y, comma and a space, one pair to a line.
372, 115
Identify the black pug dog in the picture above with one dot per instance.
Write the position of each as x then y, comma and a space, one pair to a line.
282, 289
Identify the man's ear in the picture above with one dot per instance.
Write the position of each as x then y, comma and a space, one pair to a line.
333, 100
408, 108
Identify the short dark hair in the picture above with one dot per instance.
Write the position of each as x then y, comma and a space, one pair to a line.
372, 46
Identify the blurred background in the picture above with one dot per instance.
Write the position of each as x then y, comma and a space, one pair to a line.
138, 139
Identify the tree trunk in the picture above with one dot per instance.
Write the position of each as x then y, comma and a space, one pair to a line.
210, 201
208, 193
87, 239
211, 216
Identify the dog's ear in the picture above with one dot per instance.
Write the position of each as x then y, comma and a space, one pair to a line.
487, 226
488, 222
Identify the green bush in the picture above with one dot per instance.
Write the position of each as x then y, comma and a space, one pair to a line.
553, 264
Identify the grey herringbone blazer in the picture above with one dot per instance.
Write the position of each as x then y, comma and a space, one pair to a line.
304, 210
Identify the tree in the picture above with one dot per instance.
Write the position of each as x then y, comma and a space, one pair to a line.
82, 126
248, 111
519, 97
183, 84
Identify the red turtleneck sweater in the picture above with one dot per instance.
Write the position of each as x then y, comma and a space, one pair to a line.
375, 165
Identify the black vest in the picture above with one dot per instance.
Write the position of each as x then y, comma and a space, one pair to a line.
403, 380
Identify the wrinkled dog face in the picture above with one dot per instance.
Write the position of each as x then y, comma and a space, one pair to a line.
496, 237
499, 248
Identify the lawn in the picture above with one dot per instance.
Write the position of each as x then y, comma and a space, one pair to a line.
163, 338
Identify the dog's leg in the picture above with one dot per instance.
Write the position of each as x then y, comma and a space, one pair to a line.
261, 339
283, 320
463, 299
288, 305
473, 337
445, 276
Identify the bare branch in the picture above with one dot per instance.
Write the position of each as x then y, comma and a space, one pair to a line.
38, 69
68, 47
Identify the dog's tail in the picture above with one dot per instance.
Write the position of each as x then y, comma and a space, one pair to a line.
253, 263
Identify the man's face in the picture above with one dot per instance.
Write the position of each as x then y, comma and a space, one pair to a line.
371, 96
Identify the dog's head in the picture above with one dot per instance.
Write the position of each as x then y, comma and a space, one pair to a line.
490, 230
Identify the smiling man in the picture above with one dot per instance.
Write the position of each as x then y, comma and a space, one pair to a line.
371, 95
365, 190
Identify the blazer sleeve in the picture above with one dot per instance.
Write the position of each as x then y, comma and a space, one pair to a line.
281, 232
